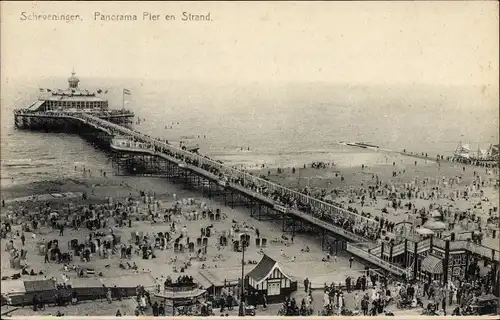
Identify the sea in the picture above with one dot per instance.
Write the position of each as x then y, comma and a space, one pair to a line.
255, 124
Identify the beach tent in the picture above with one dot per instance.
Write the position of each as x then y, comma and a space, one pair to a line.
434, 225
424, 231
328, 198
435, 214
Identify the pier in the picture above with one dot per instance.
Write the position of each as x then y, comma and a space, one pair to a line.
135, 153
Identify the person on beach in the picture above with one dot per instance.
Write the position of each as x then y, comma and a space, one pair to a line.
74, 297
306, 284
109, 296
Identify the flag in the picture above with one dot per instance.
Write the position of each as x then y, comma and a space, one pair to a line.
99, 91
105, 92
41, 90
48, 90
126, 91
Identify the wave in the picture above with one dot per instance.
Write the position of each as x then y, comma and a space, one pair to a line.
27, 166
47, 157
275, 153
14, 161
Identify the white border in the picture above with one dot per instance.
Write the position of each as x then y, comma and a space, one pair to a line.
408, 317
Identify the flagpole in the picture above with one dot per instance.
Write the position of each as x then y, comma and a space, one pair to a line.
123, 99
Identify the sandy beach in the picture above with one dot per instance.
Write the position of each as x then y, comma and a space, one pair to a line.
223, 263
344, 185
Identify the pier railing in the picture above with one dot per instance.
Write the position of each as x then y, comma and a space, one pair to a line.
120, 144
375, 260
65, 114
425, 245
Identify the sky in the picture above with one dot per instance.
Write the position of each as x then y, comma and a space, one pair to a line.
436, 43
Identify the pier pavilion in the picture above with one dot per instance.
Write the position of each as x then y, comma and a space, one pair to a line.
72, 100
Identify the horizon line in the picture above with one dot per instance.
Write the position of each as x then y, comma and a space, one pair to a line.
249, 81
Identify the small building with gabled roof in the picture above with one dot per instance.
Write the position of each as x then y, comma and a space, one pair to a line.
268, 278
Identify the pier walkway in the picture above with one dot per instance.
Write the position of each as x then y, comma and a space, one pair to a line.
282, 199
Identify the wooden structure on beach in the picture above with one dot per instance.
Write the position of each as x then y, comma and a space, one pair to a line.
490, 157
180, 295
435, 258
268, 278
21, 292
220, 281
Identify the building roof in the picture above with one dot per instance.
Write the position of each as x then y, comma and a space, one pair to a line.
432, 264
262, 269
39, 285
204, 280
216, 276
13, 287
73, 98
181, 294
36, 105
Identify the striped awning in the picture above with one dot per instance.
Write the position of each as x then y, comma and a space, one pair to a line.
432, 264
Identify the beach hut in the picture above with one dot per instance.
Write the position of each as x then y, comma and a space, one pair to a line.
257, 242
267, 277
236, 245
263, 242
